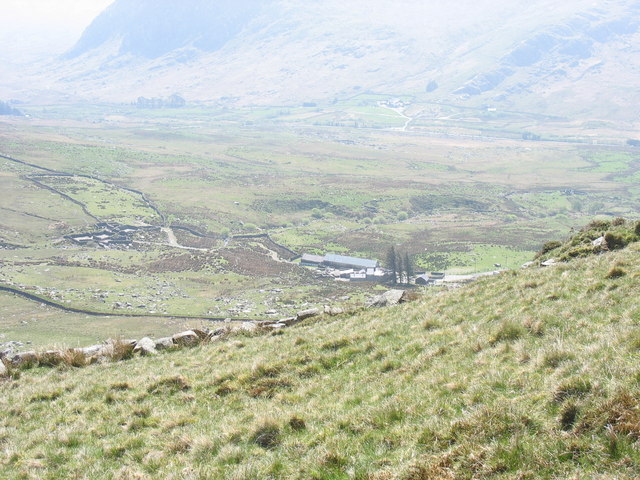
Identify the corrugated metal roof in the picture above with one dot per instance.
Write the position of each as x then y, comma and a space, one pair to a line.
307, 257
351, 261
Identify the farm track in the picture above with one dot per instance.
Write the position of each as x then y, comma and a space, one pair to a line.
93, 313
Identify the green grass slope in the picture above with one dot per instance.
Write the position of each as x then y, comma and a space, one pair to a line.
531, 374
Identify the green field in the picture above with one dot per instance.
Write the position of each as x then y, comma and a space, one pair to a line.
341, 178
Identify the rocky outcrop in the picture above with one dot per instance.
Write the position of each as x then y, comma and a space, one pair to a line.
145, 346
333, 311
4, 372
387, 299
164, 343
304, 314
24, 359
186, 339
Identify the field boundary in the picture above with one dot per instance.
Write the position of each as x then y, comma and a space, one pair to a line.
93, 313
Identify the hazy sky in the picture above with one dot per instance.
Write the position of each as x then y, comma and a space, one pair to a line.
59, 12
31, 28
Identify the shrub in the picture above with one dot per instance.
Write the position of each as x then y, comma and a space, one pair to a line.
402, 216
615, 241
637, 229
121, 350
579, 251
51, 358
598, 225
547, 247
618, 222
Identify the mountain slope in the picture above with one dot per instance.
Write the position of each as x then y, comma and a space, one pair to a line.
569, 59
154, 28
532, 374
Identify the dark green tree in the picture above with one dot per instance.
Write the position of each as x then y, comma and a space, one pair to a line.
392, 264
408, 267
402, 272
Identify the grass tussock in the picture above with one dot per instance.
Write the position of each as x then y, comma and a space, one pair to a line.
169, 385
267, 435
508, 331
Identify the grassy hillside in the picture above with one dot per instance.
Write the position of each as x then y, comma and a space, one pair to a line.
532, 374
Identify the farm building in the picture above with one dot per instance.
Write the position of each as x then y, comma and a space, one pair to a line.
429, 278
309, 260
339, 261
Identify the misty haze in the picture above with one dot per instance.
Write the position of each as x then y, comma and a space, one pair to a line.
285, 239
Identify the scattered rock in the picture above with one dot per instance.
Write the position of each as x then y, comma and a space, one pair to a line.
164, 343
218, 332
266, 323
304, 314
89, 351
3, 370
186, 339
598, 242
387, 299
245, 327
333, 311
24, 359
528, 265
549, 263
287, 322
275, 326
145, 346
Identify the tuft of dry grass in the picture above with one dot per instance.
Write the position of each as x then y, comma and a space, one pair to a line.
616, 272
169, 385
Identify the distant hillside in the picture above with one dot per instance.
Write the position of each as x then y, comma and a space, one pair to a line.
531, 375
152, 28
6, 109
568, 59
